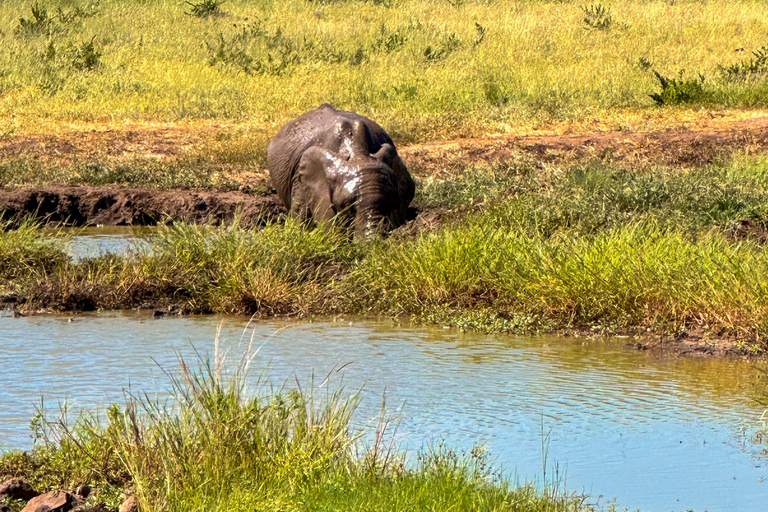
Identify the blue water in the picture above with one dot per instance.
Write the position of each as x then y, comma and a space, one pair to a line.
657, 434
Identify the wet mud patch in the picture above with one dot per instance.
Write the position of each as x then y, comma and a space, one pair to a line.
121, 206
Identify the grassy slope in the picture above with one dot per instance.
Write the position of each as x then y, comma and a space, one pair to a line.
422, 68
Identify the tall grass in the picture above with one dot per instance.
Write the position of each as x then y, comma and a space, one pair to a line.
421, 67
590, 247
220, 444
629, 277
24, 251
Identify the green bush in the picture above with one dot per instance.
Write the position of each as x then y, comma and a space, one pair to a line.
675, 91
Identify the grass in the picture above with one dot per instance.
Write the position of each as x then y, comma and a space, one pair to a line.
219, 444
590, 247
24, 251
474, 67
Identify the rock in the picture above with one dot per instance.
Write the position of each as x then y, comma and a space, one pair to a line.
5, 508
17, 489
57, 501
131, 504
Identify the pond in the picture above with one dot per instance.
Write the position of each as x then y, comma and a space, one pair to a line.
658, 434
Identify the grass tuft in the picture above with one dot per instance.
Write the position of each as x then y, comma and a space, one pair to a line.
597, 16
221, 443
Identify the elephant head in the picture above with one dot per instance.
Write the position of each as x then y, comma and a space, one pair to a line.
351, 186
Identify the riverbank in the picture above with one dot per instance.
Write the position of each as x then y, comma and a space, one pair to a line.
132, 174
672, 252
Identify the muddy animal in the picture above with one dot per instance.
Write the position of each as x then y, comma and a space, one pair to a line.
333, 166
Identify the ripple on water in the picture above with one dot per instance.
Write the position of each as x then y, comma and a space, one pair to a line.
620, 423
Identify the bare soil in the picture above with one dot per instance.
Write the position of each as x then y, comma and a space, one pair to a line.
682, 146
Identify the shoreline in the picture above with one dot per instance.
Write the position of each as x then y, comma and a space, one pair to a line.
518, 181
685, 344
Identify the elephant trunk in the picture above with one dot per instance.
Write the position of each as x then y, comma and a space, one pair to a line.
369, 223
377, 202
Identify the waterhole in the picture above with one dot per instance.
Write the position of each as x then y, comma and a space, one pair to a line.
654, 433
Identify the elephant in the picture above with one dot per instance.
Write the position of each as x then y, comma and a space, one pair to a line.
334, 166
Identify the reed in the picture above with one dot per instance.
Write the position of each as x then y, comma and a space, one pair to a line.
224, 442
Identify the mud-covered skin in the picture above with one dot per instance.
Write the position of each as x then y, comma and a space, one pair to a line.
335, 165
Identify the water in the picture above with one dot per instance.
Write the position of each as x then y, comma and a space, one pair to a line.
658, 434
92, 242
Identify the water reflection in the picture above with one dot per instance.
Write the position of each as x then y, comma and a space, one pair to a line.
647, 430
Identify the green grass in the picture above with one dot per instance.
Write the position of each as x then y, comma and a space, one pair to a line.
24, 252
423, 68
589, 247
219, 444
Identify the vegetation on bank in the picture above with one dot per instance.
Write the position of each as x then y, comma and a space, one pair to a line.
521, 249
218, 445
423, 68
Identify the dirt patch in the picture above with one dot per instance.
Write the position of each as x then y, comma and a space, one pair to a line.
164, 141
674, 147
117, 206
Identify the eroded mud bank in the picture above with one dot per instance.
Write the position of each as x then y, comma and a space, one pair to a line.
117, 206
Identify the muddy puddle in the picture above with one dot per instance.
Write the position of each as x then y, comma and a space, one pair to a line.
655, 434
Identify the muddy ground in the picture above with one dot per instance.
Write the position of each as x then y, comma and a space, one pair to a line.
124, 206
682, 146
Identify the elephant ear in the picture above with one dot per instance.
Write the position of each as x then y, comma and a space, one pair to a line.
406, 189
313, 166
386, 155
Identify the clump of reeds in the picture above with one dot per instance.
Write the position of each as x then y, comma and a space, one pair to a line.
218, 444
23, 251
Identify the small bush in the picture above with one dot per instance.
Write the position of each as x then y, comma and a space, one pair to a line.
442, 49
205, 8
39, 23
85, 56
754, 67
255, 51
678, 90
597, 16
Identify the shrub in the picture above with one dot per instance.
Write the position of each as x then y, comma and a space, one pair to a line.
85, 56
678, 90
205, 8
756, 66
597, 16
39, 23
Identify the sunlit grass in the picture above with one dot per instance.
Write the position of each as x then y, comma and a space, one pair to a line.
422, 68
